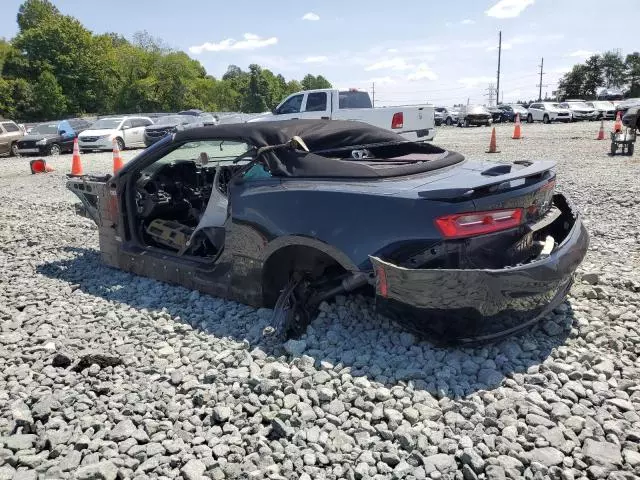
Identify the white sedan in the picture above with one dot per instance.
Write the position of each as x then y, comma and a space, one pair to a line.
127, 131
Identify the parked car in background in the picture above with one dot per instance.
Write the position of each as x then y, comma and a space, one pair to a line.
580, 110
622, 107
474, 115
631, 118
509, 112
496, 115
169, 123
127, 131
191, 111
547, 112
446, 115
415, 123
604, 109
10, 135
52, 138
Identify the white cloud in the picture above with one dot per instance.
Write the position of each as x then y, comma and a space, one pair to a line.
470, 82
316, 59
582, 53
314, 17
250, 42
381, 81
423, 72
508, 8
467, 21
392, 50
396, 63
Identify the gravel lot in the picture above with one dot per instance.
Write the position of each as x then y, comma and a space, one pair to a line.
107, 375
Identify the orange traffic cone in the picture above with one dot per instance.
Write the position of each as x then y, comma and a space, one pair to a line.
40, 166
617, 127
492, 144
601, 131
76, 163
117, 158
516, 130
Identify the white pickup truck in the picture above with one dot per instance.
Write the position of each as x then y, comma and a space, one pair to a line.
415, 123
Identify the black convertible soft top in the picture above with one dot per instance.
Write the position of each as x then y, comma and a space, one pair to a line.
330, 143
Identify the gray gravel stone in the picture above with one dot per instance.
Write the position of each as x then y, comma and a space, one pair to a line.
19, 441
193, 469
473, 459
98, 471
601, 453
548, 456
440, 462
222, 413
123, 430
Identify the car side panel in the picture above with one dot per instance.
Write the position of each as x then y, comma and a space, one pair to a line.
4, 141
356, 223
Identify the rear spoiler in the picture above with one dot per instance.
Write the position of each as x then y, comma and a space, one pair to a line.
490, 180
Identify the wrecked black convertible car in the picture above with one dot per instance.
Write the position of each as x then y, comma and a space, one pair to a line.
289, 214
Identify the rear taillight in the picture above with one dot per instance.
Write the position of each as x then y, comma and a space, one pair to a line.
470, 224
398, 120
381, 277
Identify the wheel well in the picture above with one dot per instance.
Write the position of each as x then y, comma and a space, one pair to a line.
295, 258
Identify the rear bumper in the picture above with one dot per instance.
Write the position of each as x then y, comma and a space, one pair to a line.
425, 135
469, 306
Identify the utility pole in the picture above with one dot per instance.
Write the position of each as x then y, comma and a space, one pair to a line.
540, 85
373, 94
499, 55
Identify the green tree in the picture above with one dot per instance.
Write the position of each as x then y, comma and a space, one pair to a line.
55, 66
593, 78
632, 64
571, 85
48, 98
613, 69
255, 100
310, 82
33, 13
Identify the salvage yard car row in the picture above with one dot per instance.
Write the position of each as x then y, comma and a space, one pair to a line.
571, 110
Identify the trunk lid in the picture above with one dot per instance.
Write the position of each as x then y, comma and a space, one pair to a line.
491, 186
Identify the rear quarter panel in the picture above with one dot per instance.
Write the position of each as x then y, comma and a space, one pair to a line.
355, 220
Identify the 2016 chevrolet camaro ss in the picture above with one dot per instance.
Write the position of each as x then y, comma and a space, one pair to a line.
289, 214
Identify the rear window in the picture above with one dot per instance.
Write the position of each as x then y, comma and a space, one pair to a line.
11, 127
353, 99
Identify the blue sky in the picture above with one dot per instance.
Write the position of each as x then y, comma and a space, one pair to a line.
415, 52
